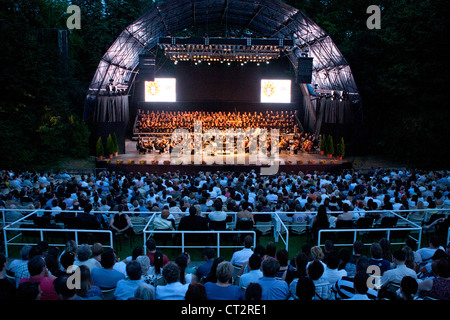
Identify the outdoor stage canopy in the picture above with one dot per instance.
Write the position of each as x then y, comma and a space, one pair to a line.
270, 19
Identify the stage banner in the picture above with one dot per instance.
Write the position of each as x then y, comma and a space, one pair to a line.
161, 90
275, 91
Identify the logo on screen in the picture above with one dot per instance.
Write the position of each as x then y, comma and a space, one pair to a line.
269, 89
152, 88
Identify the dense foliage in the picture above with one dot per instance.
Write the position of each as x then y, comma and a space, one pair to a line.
401, 72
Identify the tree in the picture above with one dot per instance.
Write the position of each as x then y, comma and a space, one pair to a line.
341, 148
330, 145
109, 145
100, 151
115, 143
323, 143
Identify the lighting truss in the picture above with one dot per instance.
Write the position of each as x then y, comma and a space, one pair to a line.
224, 49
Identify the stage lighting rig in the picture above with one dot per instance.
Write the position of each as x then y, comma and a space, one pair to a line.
221, 50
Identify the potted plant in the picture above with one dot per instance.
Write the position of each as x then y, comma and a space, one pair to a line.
109, 146
330, 146
119, 161
130, 161
154, 162
322, 162
142, 162
299, 162
100, 151
341, 149
115, 144
323, 144
311, 162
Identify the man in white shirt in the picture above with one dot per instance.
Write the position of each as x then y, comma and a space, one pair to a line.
254, 265
126, 287
331, 273
242, 256
401, 270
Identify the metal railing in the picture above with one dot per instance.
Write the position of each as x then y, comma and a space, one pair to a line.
148, 232
20, 230
374, 229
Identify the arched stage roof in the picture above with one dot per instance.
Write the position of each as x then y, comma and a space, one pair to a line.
265, 18
269, 18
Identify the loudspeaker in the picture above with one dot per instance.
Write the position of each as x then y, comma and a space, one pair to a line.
147, 66
304, 69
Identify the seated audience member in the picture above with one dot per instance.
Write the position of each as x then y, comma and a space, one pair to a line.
305, 290
144, 292
358, 249
254, 272
28, 291
427, 253
151, 249
360, 286
66, 292
300, 262
174, 289
106, 277
377, 258
193, 221
84, 255
204, 269
344, 288
125, 288
253, 292
195, 292
395, 275
39, 273
438, 287
272, 289
408, 288
120, 222
162, 222
223, 289
87, 288
331, 273
7, 287
242, 256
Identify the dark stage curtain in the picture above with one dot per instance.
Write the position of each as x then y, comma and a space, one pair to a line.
112, 109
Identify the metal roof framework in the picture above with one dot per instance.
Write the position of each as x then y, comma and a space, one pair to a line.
269, 18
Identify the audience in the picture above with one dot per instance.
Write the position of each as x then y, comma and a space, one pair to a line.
319, 196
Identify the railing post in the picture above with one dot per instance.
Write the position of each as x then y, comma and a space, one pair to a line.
218, 243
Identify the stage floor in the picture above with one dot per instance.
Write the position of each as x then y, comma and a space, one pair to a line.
285, 158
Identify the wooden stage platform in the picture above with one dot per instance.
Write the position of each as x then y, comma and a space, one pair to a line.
132, 161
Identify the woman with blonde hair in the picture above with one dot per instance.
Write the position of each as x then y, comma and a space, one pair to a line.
317, 254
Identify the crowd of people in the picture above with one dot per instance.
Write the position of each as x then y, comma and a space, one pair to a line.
192, 202
167, 121
88, 272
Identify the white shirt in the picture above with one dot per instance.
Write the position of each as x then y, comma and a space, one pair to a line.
333, 275
171, 291
396, 275
249, 277
241, 256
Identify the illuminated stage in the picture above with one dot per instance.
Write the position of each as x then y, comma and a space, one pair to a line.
133, 161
